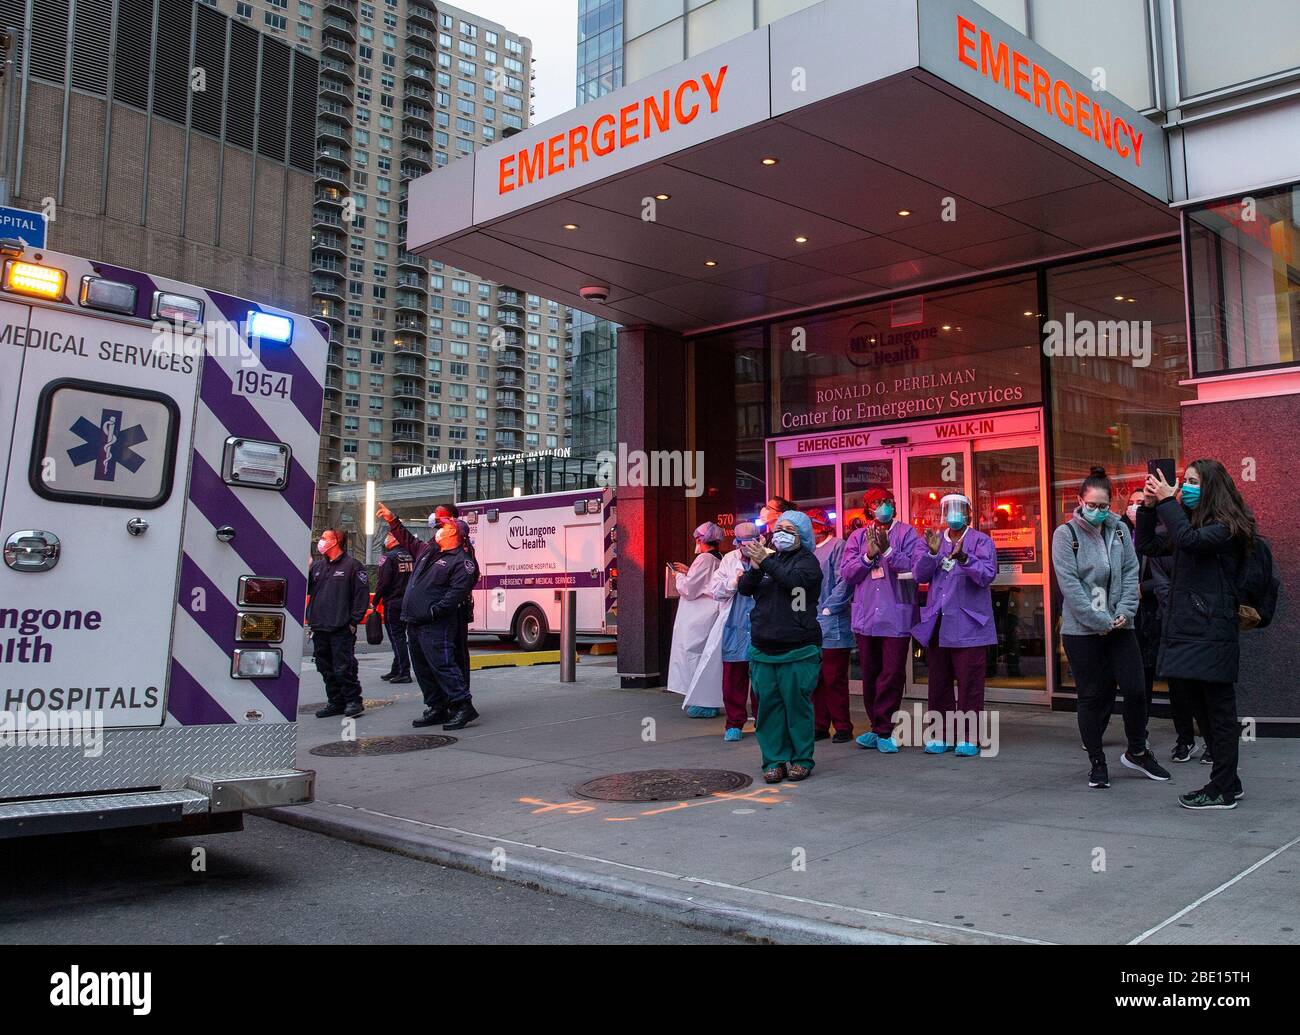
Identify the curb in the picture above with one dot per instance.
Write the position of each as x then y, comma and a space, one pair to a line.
597, 888
518, 659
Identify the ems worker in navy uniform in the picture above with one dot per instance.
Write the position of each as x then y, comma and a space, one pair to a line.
444, 575
339, 590
394, 573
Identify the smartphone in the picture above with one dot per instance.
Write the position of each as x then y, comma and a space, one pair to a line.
1165, 466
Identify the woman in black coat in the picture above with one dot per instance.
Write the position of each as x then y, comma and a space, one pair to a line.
1208, 530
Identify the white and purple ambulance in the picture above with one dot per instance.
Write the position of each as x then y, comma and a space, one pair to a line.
532, 548
158, 448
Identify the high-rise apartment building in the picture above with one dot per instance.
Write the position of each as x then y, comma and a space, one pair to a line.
428, 365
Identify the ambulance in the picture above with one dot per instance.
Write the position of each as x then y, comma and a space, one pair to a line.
158, 448
530, 550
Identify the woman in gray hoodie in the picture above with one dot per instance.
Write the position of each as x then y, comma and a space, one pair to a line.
1097, 570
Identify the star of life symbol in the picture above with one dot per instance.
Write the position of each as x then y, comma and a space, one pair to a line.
107, 445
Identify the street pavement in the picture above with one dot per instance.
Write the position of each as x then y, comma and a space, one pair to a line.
273, 884
911, 847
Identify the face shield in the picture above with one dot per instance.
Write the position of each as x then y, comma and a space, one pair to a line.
955, 511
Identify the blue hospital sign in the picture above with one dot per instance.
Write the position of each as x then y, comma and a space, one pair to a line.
26, 226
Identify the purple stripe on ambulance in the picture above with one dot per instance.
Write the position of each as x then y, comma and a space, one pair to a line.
252, 542
307, 393
189, 704
240, 418
145, 286
217, 619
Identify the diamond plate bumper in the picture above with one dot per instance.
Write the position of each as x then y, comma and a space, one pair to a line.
97, 812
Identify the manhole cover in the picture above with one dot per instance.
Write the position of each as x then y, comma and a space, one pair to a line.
382, 745
371, 704
662, 784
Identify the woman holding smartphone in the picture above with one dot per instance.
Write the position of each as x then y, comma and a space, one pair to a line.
1208, 531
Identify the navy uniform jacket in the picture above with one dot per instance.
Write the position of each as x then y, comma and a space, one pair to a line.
339, 591
440, 584
394, 573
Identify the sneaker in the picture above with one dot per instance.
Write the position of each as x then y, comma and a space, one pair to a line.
887, 745
329, 711
387, 676
1145, 764
696, 712
936, 747
1100, 775
842, 737
1238, 795
1182, 752
821, 734
1206, 799
401, 679
868, 739
732, 735
1205, 756
967, 750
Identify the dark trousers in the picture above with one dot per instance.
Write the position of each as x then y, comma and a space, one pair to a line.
831, 696
1218, 703
1188, 711
436, 664
462, 650
966, 666
1103, 665
884, 671
397, 637
737, 698
334, 651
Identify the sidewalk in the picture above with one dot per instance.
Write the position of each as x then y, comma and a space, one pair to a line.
872, 848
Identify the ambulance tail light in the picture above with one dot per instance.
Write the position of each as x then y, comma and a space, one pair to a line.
179, 309
261, 592
255, 664
28, 278
109, 295
269, 327
259, 626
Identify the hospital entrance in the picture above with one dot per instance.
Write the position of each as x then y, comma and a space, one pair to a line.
997, 460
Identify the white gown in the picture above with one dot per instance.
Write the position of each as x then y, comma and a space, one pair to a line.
705, 690
697, 613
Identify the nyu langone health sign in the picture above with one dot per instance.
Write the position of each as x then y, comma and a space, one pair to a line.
28, 227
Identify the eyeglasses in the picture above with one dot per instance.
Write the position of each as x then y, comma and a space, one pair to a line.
1092, 508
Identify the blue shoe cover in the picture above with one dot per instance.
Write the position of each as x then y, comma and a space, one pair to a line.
732, 735
867, 740
936, 747
967, 750
696, 712
887, 746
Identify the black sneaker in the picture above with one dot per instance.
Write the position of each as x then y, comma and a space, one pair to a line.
1145, 764
329, 711
1206, 799
1205, 757
354, 709
1182, 752
1238, 794
401, 679
842, 737
387, 676
1100, 775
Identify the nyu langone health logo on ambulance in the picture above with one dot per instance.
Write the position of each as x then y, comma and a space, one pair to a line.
103, 988
523, 536
107, 445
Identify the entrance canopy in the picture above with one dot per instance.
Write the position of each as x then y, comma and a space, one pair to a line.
851, 149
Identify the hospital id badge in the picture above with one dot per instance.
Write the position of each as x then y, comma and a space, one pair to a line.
877, 573
947, 563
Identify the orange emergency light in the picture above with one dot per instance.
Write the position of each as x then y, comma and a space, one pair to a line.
27, 278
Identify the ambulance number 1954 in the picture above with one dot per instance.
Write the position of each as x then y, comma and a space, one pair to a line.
263, 383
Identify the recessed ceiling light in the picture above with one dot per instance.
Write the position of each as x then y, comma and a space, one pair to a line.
662, 197
1130, 300
904, 211
947, 327
1119, 298
1028, 313
771, 161
571, 226
801, 239
709, 262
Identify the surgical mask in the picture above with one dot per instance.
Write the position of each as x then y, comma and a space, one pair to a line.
1096, 517
1132, 512
956, 522
785, 540
434, 521
323, 547
1191, 495
885, 513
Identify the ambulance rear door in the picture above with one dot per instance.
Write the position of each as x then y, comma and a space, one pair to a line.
94, 497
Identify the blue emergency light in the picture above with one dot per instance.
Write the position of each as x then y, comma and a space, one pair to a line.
269, 326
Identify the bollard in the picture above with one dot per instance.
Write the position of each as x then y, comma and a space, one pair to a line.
568, 635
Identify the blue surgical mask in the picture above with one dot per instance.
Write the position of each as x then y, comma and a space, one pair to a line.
957, 522
885, 513
1191, 495
785, 540
1096, 517
434, 522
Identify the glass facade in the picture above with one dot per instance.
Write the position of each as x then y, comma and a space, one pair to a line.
1243, 260
600, 48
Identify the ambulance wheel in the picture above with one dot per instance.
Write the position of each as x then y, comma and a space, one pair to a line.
531, 631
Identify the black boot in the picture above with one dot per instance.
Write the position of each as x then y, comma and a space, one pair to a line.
432, 717
329, 711
461, 717
354, 709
